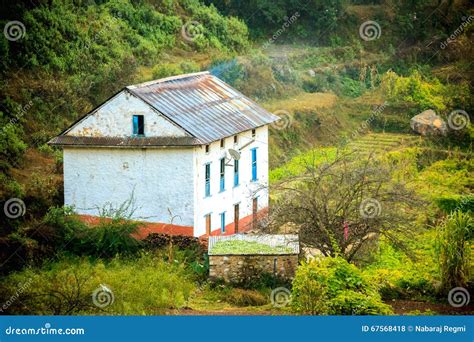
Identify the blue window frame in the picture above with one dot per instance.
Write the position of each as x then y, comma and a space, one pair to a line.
138, 125
236, 172
207, 173
254, 164
222, 175
223, 222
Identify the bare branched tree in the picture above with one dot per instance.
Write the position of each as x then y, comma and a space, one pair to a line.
338, 205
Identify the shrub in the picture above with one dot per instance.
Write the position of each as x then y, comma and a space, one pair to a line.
334, 286
349, 302
242, 297
108, 238
397, 276
453, 203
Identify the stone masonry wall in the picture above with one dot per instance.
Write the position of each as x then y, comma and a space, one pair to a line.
239, 268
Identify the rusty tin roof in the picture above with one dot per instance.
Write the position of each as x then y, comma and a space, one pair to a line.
200, 103
203, 105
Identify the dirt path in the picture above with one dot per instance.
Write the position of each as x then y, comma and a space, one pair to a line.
403, 307
400, 307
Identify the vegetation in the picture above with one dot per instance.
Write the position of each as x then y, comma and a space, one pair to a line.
341, 204
454, 250
333, 286
65, 287
334, 91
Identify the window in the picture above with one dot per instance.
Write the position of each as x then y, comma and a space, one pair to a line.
208, 224
253, 133
254, 212
138, 125
222, 143
222, 175
254, 164
236, 218
223, 222
236, 172
236, 139
207, 173
207, 148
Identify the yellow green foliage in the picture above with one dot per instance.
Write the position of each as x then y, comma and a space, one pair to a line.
416, 91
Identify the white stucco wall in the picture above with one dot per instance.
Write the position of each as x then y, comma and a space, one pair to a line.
219, 202
159, 179
114, 119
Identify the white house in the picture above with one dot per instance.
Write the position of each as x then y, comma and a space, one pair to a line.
188, 146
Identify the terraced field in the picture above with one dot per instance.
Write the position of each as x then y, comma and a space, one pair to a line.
383, 142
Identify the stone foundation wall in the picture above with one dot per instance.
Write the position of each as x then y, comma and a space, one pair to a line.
239, 268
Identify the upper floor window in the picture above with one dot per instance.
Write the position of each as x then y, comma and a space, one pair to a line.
207, 148
138, 125
222, 143
236, 172
254, 163
236, 139
207, 172
222, 174
253, 133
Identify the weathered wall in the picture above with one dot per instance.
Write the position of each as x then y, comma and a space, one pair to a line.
239, 268
243, 194
159, 179
114, 119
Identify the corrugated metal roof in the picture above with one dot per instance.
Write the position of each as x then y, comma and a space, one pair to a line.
290, 241
68, 140
203, 105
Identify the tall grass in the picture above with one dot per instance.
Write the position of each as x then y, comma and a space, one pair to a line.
453, 250
144, 285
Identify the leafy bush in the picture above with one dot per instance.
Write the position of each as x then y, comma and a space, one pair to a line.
453, 203
416, 90
333, 286
108, 238
170, 69
242, 297
349, 302
397, 276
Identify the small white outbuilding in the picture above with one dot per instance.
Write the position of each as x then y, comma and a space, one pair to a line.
189, 147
